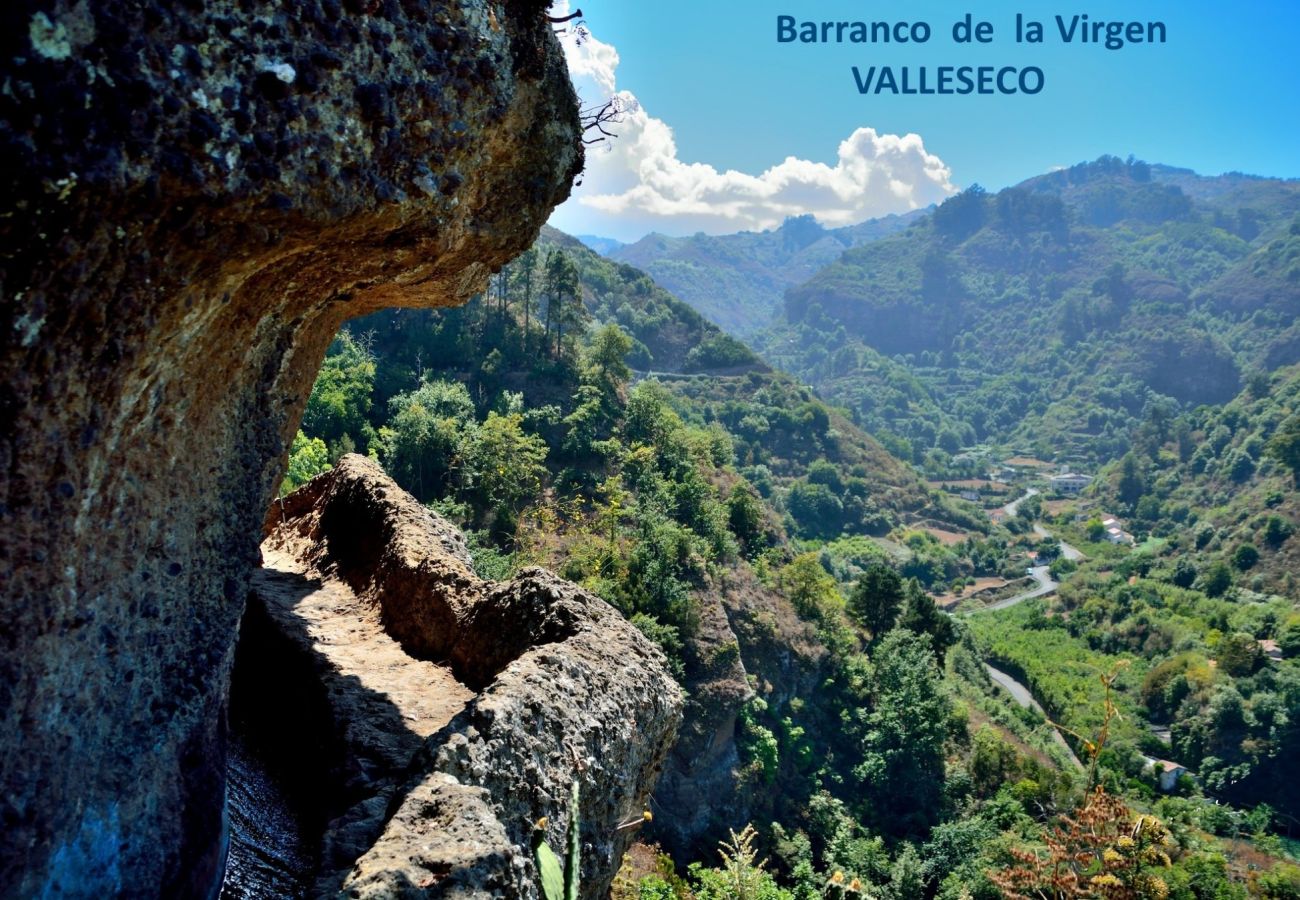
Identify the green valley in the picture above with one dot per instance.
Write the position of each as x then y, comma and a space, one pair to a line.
791, 559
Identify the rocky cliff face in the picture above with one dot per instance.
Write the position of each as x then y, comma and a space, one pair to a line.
442, 768
192, 198
750, 643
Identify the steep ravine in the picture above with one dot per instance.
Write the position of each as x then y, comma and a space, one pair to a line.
192, 199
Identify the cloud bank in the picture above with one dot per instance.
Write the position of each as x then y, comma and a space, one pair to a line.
636, 183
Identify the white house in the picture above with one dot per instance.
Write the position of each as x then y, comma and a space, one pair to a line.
1115, 532
1168, 772
1070, 483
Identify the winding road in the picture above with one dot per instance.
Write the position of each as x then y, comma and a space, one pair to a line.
1012, 508
1024, 698
1046, 585
1040, 574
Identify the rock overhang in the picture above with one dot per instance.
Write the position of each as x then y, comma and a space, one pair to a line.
195, 196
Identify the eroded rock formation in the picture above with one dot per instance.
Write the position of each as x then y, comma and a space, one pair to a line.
750, 643
192, 198
445, 766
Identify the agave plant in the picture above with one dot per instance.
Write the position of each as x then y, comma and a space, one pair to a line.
559, 882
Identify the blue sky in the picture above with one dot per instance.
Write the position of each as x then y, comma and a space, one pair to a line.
715, 103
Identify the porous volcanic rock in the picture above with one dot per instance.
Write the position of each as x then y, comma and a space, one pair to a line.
447, 766
193, 197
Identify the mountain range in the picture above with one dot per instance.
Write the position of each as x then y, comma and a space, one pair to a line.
1048, 315
737, 280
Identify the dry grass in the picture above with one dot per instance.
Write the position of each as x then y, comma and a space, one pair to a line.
1028, 462
981, 584
947, 538
972, 484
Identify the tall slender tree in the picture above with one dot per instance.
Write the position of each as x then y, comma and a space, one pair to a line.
562, 287
527, 266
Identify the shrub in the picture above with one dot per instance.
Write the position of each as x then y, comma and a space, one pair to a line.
1245, 557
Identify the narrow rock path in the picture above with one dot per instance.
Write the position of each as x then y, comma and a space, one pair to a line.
350, 636
382, 704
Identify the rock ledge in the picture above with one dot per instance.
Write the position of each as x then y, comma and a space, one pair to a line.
541, 682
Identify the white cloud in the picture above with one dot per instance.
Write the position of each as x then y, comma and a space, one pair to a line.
636, 183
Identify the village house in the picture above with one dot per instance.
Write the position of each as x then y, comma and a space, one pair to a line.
1115, 532
1167, 772
1271, 649
1070, 483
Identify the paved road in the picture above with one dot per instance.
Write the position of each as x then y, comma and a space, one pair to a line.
1040, 574
1067, 551
1022, 696
1018, 691
1014, 506
1046, 585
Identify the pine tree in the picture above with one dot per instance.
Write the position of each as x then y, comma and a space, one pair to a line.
527, 266
562, 289
876, 599
921, 616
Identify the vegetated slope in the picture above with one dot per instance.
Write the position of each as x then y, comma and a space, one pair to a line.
1218, 485
734, 519
671, 336
677, 496
737, 280
1195, 608
1052, 313
778, 429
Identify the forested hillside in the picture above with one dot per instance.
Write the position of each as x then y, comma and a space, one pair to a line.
1218, 483
581, 417
1055, 314
1201, 611
737, 280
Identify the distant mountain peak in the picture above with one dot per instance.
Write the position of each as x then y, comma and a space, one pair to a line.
602, 245
737, 280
